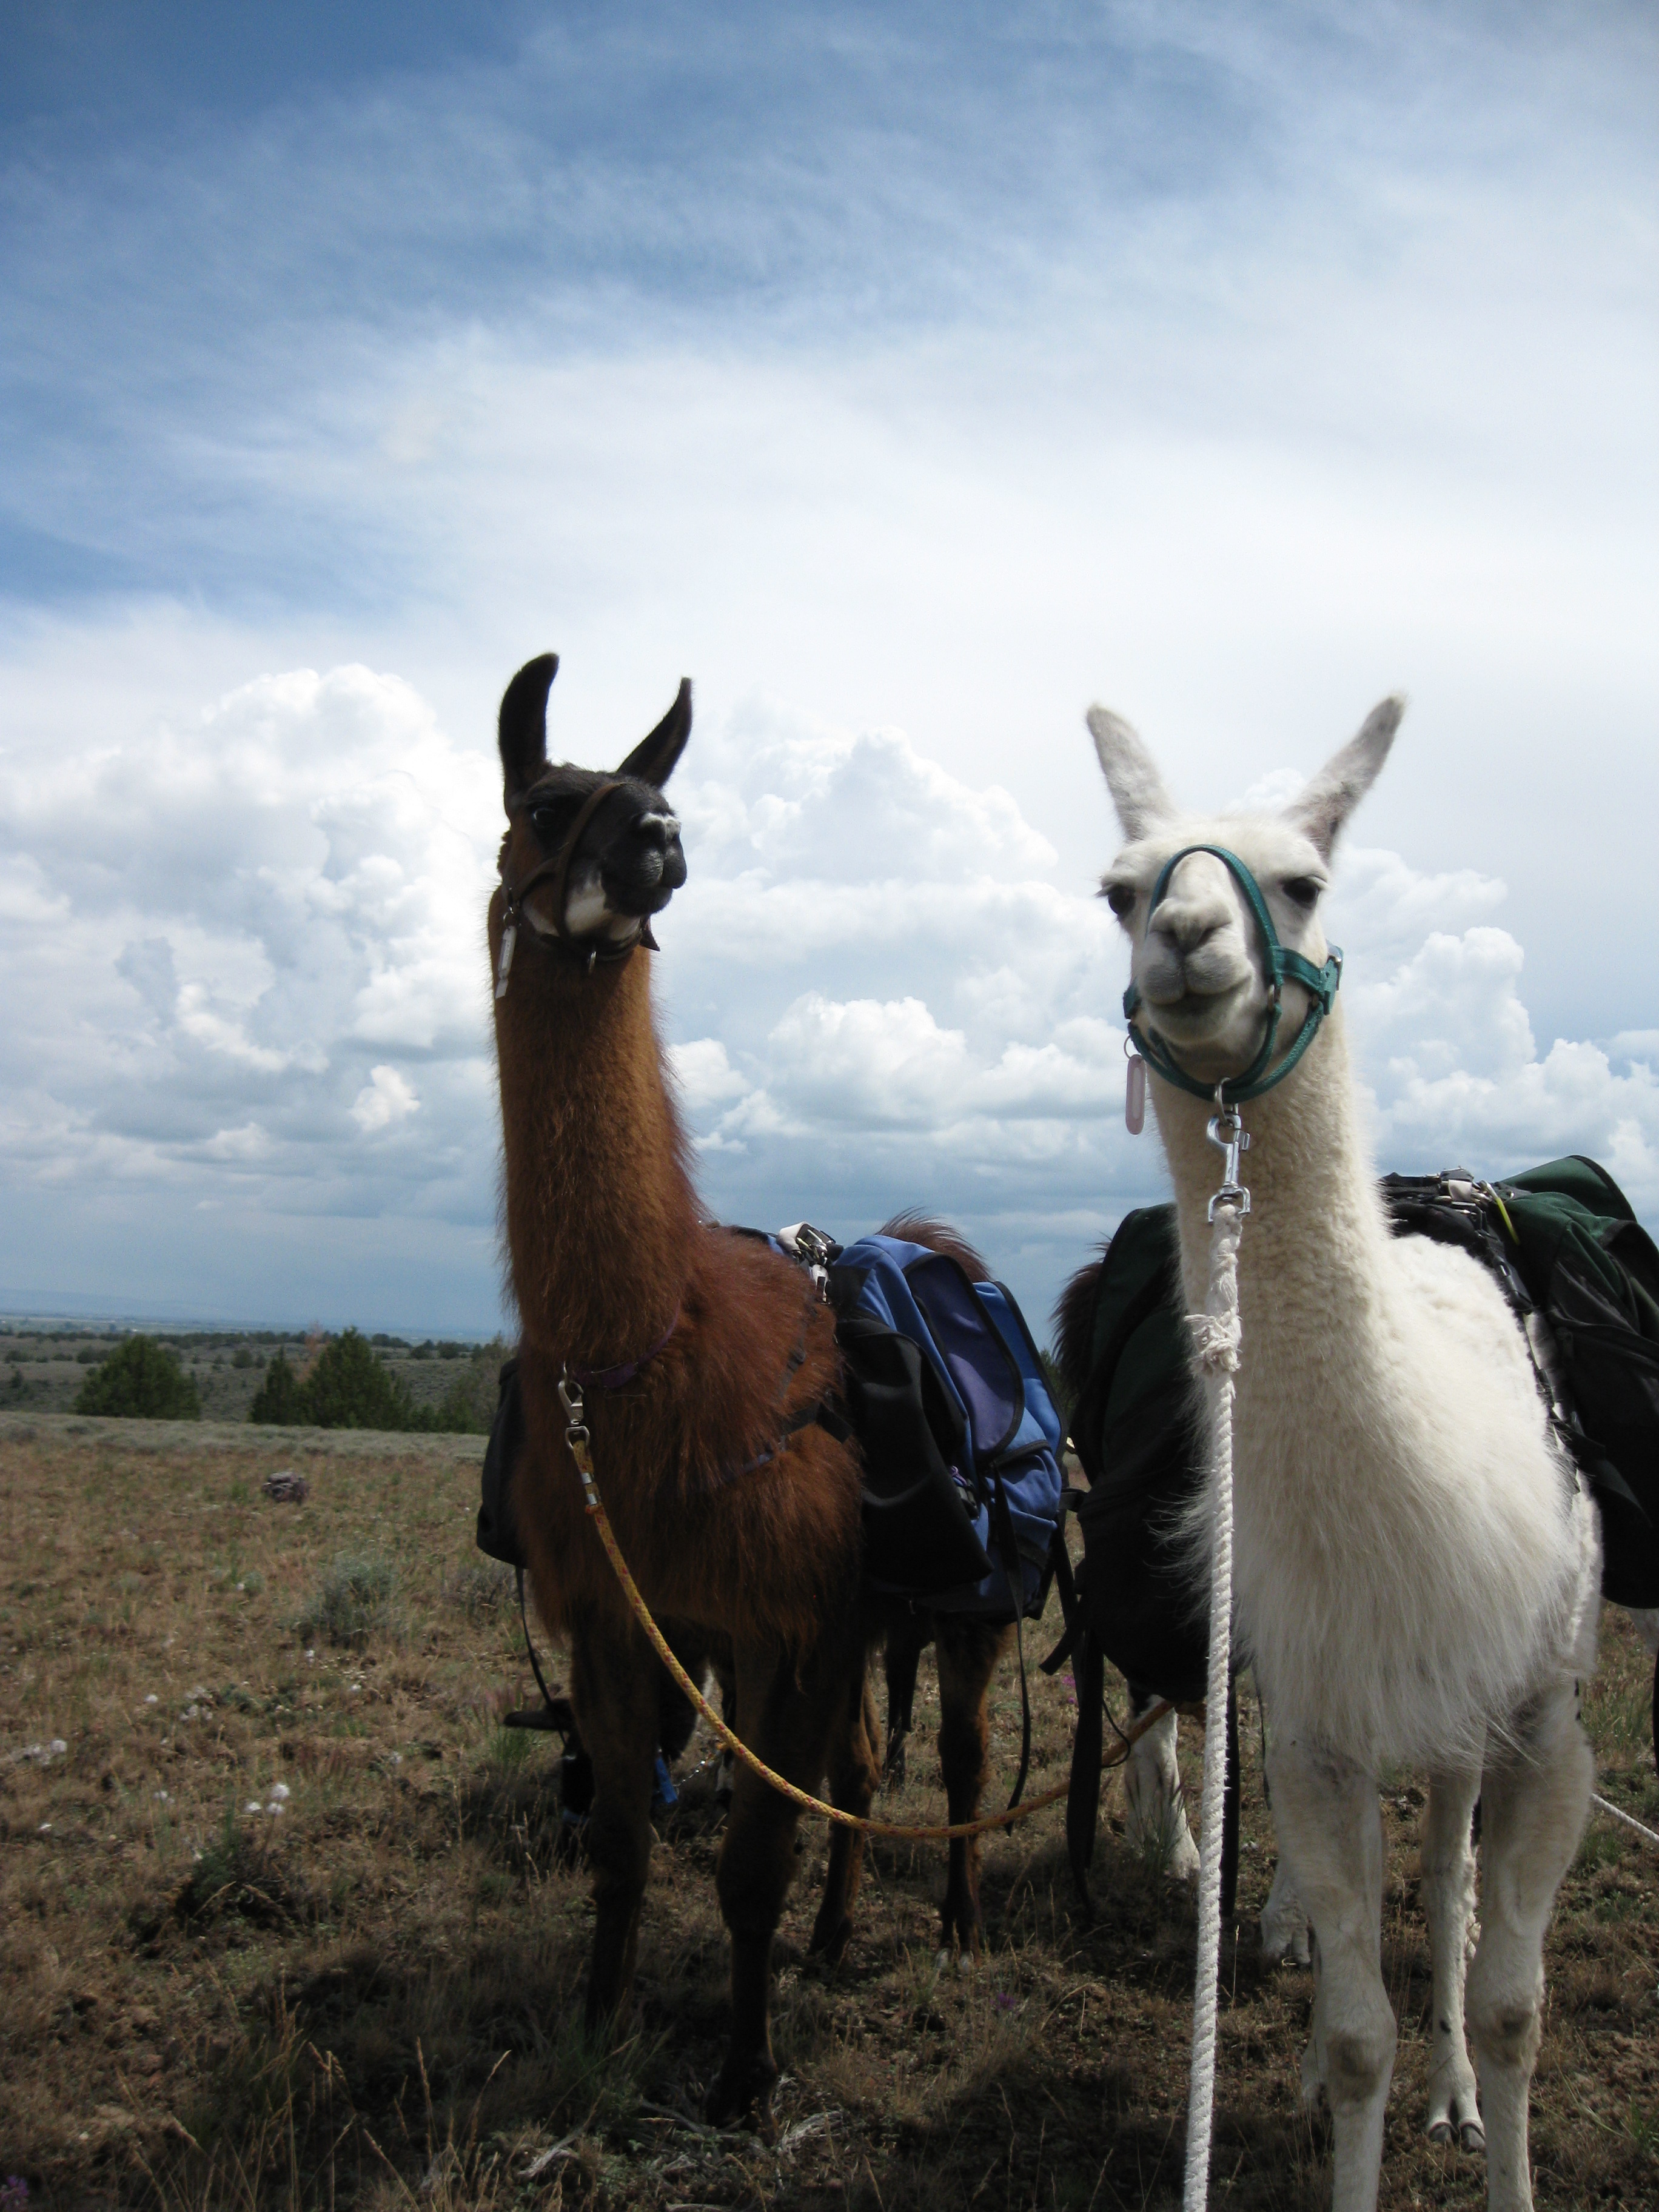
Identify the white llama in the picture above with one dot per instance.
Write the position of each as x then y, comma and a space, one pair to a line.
1416, 1570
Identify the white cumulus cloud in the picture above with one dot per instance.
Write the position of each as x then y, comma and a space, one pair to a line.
386, 1098
248, 989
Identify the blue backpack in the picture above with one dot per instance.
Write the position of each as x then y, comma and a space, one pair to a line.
959, 1434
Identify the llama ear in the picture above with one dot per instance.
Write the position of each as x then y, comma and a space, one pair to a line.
1320, 810
1136, 786
523, 726
653, 759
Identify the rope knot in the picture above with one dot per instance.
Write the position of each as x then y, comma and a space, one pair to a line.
1216, 1340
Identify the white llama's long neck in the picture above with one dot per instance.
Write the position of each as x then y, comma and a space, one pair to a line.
1315, 1243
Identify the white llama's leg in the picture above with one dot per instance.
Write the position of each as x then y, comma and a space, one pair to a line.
1284, 1923
1533, 1804
1448, 1872
1330, 1834
1154, 1807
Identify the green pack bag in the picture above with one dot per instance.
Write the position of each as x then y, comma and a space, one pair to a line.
1564, 1241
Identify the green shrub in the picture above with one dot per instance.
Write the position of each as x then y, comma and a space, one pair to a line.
357, 1597
241, 1357
280, 1398
141, 1380
347, 1388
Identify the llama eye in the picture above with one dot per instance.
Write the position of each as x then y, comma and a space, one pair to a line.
1302, 891
1121, 897
546, 822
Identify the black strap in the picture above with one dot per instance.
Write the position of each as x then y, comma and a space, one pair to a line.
1060, 1567
1083, 1797
556, 1707
1008, 1545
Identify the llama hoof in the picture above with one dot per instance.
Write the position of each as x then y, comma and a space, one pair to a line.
744, 2089
1454, 2115
1285, 1941
830, 1944
1182, 1865
1468, 2134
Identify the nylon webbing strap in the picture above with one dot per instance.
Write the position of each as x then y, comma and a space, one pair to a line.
1284, 966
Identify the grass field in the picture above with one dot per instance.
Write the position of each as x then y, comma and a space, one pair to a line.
284, 1923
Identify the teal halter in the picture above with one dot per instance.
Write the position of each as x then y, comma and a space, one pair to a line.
1287, 967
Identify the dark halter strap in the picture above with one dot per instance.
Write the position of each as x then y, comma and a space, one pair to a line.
614, 1378
556, 870
1283, 966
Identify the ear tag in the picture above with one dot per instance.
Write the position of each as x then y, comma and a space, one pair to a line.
1134, 1095
504, 966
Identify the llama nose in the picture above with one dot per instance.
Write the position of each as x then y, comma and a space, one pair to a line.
1188, 923
658, 859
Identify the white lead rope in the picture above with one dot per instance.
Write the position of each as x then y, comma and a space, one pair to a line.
1216, 1340
1629, 1819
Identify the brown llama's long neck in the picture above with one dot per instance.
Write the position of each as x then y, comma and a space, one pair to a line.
601, 1217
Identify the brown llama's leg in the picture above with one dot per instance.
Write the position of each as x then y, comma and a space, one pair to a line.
908, 1634
614, 1687
968, 1652
787, 1715
854, 1771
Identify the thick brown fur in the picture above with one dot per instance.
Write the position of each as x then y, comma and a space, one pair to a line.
757, 1566
606, 1247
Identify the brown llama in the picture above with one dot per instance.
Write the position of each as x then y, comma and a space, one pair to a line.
615, 1269
702, 1356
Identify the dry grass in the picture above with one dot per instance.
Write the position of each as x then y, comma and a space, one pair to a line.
369, 1997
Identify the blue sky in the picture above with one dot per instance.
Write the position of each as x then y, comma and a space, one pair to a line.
909, 377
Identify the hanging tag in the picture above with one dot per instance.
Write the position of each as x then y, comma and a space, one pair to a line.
504, 967
1134, 1095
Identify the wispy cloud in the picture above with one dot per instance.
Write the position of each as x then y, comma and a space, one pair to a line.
888, 370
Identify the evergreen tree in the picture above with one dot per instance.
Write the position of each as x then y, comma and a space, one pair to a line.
349, 1388
281, 1397
141, 1380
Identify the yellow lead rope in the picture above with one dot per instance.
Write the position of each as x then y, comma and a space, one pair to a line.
576, 1436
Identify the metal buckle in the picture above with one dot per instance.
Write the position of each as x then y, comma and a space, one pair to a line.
576, 1436
1227, 1130
813, 1246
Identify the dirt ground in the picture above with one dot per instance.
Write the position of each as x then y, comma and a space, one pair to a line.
284, 1923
